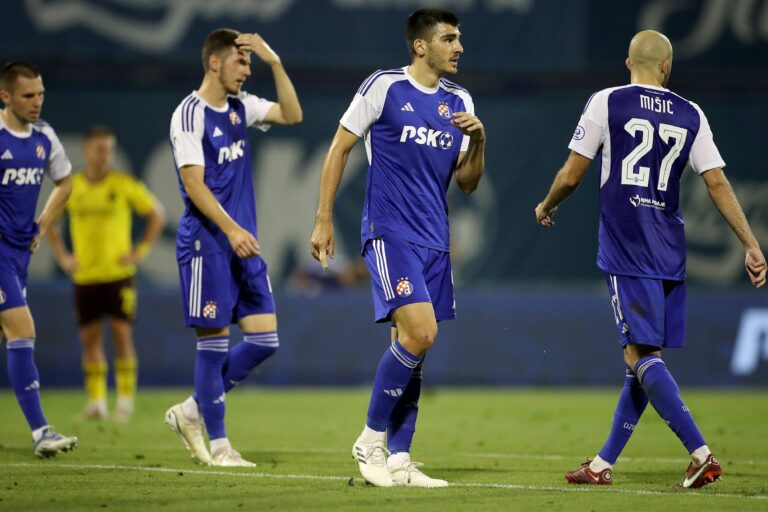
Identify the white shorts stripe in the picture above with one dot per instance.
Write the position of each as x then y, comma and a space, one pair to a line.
379, 268
381, 264
619, 312
192, 287
386, 268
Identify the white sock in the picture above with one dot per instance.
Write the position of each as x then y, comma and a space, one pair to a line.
189, 408
370, 436
598, 464
396, 460
38, 433
700, 454
219, 444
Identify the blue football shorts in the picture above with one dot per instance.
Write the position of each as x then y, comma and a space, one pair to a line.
219, 289
405, 273
648, 311
14, 262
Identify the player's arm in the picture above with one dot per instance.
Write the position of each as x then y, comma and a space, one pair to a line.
322, 240
242, 241
53, 208
566, 181
722, 195
471, 163
63, 257
287, 110
155, 223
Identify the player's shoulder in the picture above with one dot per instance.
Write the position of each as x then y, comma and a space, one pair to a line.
187, 113
452, 87
381, 79
44, 128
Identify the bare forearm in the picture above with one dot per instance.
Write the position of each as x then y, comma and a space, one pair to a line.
55, 204
725, 200
56, 243
561, 188
286, 95
469, 173
206, 202
333, 169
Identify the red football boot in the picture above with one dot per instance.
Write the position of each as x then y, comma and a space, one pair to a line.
584, 475
699, 475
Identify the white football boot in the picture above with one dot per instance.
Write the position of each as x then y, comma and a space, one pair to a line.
51, 443
405, 473
371, 455
229, 457
191, 432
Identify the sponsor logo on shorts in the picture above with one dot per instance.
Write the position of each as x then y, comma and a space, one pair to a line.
209, 310
404, 287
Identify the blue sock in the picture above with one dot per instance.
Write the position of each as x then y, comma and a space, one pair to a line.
632, 402
392, 376
402, 424
247, 355
25, 380
664, 395
209, 385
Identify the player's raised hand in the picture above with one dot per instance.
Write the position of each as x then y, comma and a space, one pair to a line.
322, 243
256, 44
544, 216
469, 125
756, 267
243, 243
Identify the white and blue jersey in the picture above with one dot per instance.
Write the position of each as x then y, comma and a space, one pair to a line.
217, 140
412, 151
24, 159
643, 137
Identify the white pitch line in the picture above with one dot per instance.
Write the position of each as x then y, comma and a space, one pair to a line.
474, 485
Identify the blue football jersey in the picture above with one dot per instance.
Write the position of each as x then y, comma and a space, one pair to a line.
217, 140
412, 151
643, 137
24, 159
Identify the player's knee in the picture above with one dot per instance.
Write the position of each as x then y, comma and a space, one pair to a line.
420, 339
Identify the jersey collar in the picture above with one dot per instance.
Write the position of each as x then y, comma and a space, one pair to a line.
417, 85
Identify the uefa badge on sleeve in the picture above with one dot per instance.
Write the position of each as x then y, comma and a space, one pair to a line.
404, 287
209, 311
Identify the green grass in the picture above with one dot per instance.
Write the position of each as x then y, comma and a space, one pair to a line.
500, 449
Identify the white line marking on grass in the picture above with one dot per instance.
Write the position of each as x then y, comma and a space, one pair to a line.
473, 485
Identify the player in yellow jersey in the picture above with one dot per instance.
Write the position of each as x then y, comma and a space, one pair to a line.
103, 264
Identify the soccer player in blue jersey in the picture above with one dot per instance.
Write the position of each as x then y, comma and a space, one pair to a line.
643, 135
28, 148
420, 131
223, 278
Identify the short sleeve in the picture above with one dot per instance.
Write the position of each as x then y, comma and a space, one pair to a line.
704, 155
139, 197
256, 110
469, 105
367, 105
187, 136
589, 135
59, 166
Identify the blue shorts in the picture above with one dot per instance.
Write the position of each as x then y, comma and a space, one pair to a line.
13, 275
405, 273
219, 289
648, 311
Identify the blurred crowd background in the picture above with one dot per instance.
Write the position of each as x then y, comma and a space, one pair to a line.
531, 303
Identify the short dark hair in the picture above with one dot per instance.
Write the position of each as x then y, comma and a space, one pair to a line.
13, 70
422, 22
99, 130
218, 41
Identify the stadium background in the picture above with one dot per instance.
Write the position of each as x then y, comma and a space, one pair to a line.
532, 306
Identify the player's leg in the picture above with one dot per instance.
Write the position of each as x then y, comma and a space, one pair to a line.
631, 404
407, 304
206, 285
402, 426
89, 305
126, 362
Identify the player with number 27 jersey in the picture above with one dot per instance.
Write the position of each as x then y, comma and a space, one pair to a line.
642, 137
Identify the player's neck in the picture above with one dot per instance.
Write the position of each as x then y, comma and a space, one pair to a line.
94, 174
645, 78
12, 122
423, 74
213, 92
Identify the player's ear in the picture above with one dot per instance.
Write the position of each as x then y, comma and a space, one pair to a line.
628, 63
5, 96
214, 62
420, 47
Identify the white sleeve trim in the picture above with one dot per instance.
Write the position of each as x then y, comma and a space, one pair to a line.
590, 133
186, 139
704, 155
365, 109
59, 166
256, 109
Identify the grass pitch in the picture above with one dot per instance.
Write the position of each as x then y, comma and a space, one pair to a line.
500, 449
